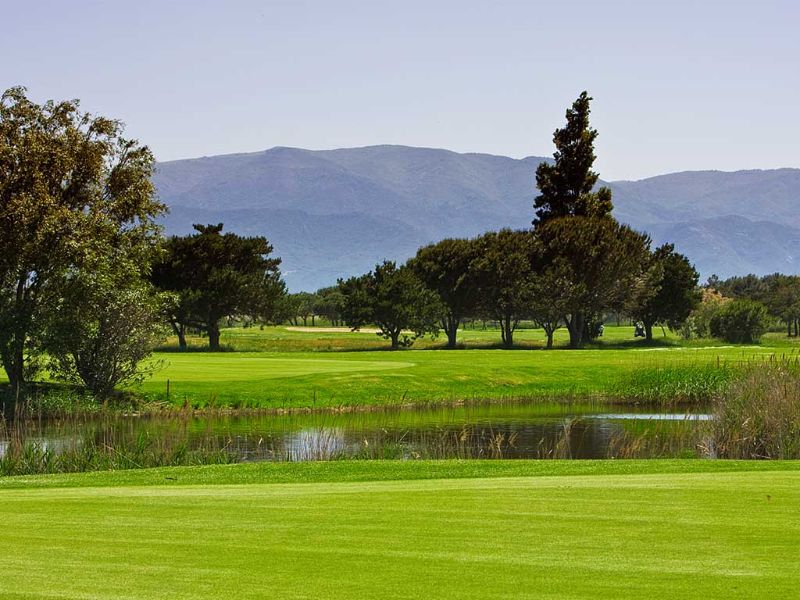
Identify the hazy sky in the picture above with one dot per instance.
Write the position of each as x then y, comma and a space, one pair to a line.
677, 85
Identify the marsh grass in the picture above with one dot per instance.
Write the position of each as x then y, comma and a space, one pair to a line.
678, 384
758, 415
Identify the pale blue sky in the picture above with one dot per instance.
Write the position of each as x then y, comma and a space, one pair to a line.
678, 85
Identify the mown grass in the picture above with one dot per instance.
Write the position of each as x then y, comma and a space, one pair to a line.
364, 379
296, 375
621, 529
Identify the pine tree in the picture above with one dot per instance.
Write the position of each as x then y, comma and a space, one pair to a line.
566, 185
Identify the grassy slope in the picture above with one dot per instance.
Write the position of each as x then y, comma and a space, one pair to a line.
519, 530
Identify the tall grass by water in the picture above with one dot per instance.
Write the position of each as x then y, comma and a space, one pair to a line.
758, 416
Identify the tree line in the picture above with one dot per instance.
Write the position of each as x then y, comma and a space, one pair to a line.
89, 286
573, 266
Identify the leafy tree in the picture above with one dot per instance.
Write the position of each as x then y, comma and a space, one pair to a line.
598, 263
329, 303
740, 322
304, 303
566, 185
218, 275
445, 268
71, 186
551, 290
783, 300
751, 287
104, 328
671, 292
393, 299
698, 325
504, 271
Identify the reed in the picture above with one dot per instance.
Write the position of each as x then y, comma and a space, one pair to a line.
758, 415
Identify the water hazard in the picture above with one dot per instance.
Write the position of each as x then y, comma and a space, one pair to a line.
476, 431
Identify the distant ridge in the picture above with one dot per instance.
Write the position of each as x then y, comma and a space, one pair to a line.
333, 213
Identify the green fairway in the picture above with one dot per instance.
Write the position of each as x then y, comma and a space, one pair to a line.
690, 529
280, 367
307, 379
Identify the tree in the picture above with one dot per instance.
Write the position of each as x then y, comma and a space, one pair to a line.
566, 185
671, 292
597, 263
504, 271
329, 302
783, 300
218, 275
305, 303
444, 268
105, 327
551, 290
740, 321
393, 299
71, 186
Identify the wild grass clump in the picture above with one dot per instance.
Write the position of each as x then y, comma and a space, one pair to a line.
88, 454
675, 384
758, 415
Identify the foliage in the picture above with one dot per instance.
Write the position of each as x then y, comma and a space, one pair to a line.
698, 324
104, 329
566, 186
328, 303
70, 188
393, 299
671, 292
504, 271
740, 322
218, 275
447, 269
597, 264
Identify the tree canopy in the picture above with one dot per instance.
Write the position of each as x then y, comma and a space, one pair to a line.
445, 268
393, 299
671, 292
566, 186
73, 192
218, 275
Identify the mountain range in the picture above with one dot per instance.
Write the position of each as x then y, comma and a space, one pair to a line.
335, 213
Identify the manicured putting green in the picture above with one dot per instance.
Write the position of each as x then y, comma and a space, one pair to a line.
637, 535
223, 367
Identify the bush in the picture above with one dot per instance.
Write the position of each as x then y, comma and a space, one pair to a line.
740, 322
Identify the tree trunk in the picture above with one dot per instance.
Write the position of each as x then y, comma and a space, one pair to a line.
16, 381
180, 331
549, 333
648, 332
395, 337
575, 326
788, 328
507, 331
313, 323
451, 328
213, 336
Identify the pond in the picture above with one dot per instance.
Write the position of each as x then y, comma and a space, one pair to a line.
474, 431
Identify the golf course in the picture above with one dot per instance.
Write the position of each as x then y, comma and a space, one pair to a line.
466, 529
279, 367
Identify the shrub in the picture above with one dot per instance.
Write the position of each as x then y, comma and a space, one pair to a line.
740, 322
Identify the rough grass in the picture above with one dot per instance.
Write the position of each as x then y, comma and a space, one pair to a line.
689, 529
